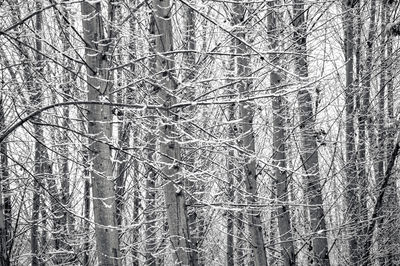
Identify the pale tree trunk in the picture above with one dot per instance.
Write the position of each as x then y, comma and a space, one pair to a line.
194, 215
135, 169
82, 114
123, 164
230, 161
235, 249
37, 168
279, 108
86, 189
35, 210
273, 226
44, 174
151, 174
42, 169
170, 153
309, 146
379, 175
241, 249
100, 117
351, 193
42, 165
66, 222
235, 239
247, 139
363, 127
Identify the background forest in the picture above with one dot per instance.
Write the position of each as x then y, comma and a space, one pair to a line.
199, 132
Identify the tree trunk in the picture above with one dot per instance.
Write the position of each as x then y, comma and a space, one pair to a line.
379, 176
194, 213
170, 153
135, 169
66, 222
351, 193
365, 126
247, 139
5, 198
388, 230
100, 118
40, 163
230, 161
86, 196
151, 173
309, 147
392, 199
363, 122
279, 107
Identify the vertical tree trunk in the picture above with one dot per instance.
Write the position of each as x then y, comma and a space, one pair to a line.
66, 223
309, 147
39, 148
379, 175
82, 115
170, 153
194, 215
122, 166
247, 139
151, 174
86, 196
241, 249
273, 226
99, 117
363, 122
5, 198
279, 107
124, 125
136, 214
388, 230
351, 193
230, 217
364, 128
393, 218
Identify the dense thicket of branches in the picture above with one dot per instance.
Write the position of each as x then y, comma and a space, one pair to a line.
199, 132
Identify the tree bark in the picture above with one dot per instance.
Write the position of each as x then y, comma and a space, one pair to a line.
230, 161
86, 196
309, 147
392, 199
388, 234
100, 118
364, 127
279, 109
5, 198
247, 139
170, 153
41, 167
151, 173
66, 221
352, 192
194, 213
